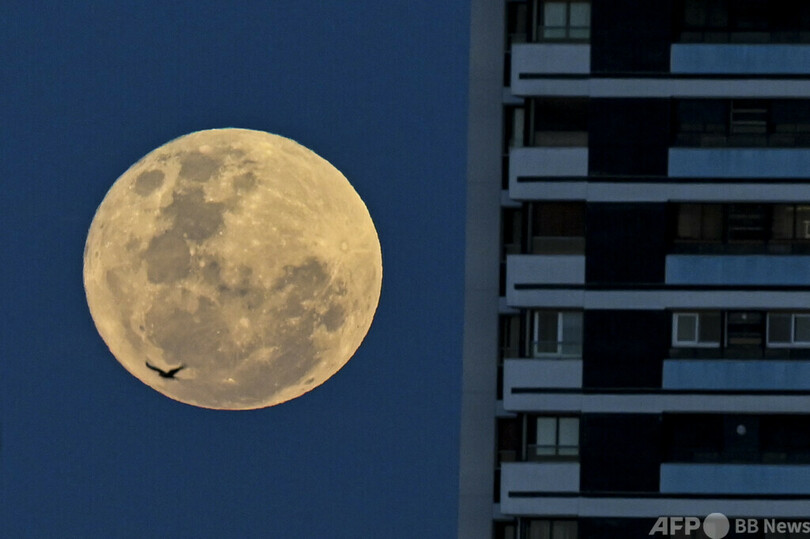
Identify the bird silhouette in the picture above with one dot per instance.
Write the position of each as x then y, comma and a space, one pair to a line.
166, 374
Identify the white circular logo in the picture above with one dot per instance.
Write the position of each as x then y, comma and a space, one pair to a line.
715, 526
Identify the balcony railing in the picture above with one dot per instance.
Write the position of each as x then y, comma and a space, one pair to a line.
538, 453
550, 349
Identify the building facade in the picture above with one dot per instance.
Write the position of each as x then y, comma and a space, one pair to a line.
637, 334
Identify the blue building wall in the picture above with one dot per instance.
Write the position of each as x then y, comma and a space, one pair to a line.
742, 59
738, 269
739, 162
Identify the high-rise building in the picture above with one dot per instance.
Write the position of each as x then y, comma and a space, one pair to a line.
637, 318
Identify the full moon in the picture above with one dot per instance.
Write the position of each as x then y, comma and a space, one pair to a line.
232, 269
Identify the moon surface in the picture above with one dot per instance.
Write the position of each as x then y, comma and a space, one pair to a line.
239, 255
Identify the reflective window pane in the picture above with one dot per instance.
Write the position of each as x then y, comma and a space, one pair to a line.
546, 431
572, 333
569, 435
554, 14
801, 333
545, 332
686, 327
564, 529
779, 328
782, 223
712, 228
803, 222
539, 529
580, 14
689, 221
709, 328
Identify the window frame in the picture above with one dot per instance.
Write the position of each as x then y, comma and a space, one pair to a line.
534, 326
695, 343
559, 451
792, 343
540, 25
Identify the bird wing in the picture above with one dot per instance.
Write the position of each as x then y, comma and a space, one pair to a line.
153, 367
176, 370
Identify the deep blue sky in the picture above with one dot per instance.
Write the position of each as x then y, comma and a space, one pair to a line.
86, 89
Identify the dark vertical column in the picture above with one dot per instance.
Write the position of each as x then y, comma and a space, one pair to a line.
624, 349
620, 453
630, 36
625, 243
629, 137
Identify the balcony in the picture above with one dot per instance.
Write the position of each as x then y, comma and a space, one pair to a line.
521, 477
547, 373
529, 167
552, 489
548, 59
678, 478
526, 273
773, 163
743, 59
738, 270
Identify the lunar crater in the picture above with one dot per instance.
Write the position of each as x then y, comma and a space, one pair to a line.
239, 254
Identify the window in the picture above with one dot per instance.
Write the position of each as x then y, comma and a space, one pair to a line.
509, 335
551, 529
564, 21
791, 222
779, 123
505, 530
744, 329
744, 21
557, 228
556, 334
747, 223
700, 222
696, 329
515, 120
515, 23
559, 122
786, 330
554, 437
509, 439
742, 228
748, 117
511, 231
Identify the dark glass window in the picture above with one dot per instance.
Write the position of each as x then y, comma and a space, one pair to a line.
743, 438
789, 330
505, 530
791, 222
559, 122
742, 228
551, 529
747, 223
745, 329
557, 228
742, 123
700, 222
509, 439
745, 21
509, 335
